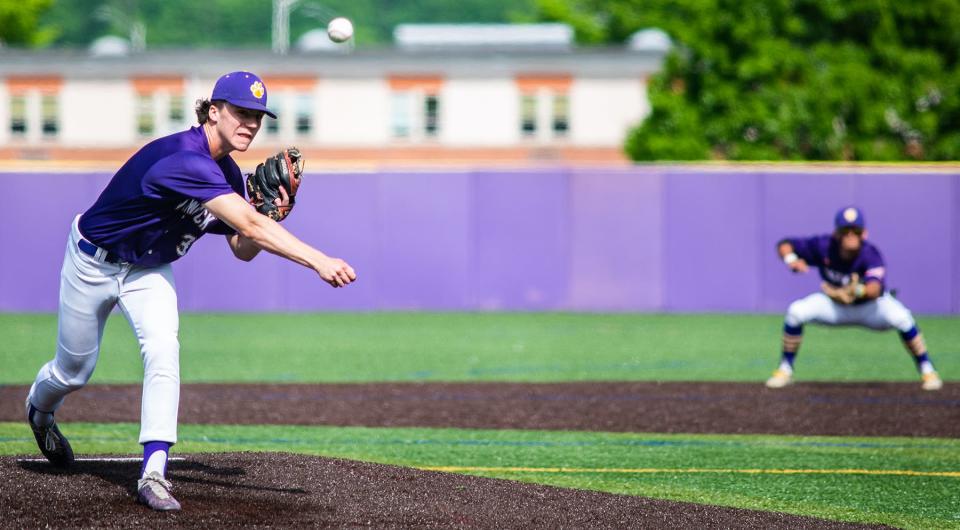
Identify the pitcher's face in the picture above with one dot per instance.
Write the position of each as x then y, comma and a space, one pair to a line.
237, 126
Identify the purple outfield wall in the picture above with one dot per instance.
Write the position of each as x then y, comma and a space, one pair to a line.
646, 238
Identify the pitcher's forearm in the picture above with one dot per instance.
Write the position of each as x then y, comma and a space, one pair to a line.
270, 236
243, 248
263, 231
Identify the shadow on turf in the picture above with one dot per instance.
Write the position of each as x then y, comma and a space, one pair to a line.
125, 474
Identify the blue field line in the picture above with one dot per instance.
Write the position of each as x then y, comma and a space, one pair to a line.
314, 442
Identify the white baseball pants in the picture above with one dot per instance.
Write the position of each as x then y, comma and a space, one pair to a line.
89, 290
883, 313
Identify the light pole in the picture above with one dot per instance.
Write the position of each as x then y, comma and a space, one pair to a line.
281, 24
281, 20
137, 29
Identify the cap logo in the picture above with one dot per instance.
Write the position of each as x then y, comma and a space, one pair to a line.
257, 89
850, 214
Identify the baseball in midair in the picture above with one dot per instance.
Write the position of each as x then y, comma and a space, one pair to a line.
340, 29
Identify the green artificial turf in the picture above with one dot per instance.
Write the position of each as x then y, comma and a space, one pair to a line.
360, 347
707, 469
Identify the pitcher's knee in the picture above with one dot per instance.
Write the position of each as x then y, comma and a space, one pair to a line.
76, 382
73, 375
161, 355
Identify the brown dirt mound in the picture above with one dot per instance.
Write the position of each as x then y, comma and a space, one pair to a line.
850, 409
293, 491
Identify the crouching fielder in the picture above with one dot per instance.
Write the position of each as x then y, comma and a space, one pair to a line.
853, 294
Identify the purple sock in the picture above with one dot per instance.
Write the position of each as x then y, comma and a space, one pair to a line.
149, 449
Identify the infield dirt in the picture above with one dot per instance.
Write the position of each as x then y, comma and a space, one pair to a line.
841, 409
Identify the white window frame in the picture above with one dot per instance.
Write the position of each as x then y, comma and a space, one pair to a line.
34, 118
303, 108
24, 98
409, 114
545, 117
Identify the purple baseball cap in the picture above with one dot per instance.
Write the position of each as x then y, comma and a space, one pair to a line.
850, 216
243, 89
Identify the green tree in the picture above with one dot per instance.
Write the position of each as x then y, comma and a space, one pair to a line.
19, 23
790, 79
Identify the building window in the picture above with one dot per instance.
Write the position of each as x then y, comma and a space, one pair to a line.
304, 115
561, 114
528, 114
160, 106
293, 100
273, 124
272, 127
160, 111
416, 105
431, 115
177, 111
544, 106
49, 115
401, 114
146, 119
415, 114
18, 115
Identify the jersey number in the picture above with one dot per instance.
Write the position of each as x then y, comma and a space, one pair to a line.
185, 244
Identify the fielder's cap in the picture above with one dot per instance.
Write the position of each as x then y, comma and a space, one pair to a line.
850, 216
243, 89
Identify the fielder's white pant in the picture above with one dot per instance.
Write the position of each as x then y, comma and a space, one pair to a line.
883, 313
89, 289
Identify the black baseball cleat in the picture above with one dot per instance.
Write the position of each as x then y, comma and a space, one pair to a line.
51, 441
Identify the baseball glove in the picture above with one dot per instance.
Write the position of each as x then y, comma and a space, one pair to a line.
845, 294
283, 169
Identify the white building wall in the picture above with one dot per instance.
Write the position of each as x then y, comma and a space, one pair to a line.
195, 88
355, 113
199, 88
352, 112
4, 114
479, 112
602, 111
97, 114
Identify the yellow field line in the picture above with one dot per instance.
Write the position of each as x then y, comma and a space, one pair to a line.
899, 472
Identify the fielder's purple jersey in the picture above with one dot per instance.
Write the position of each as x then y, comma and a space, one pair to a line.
823, 252
152, 210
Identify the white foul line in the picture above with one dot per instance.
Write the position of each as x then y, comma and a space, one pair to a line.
105, 459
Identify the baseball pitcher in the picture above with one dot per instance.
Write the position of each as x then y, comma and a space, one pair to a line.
169, 194
853, 293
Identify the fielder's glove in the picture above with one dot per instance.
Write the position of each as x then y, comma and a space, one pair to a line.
283, 169
846, 294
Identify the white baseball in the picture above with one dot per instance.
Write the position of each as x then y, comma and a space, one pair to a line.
340, 29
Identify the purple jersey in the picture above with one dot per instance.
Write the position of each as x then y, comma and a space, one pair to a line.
152, 210
823, 252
